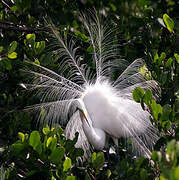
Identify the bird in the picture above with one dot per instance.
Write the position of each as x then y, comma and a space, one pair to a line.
89, 99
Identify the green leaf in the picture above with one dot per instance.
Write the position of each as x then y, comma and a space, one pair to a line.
169, 62
67, 164
21, 136
70, 178
138, 93
93, 158
1, 49
34, 141
148, 97
98, 161
82, 36
166, 111
14, 8
177, 57
162, 56
46, 130
12, 47
57, 155
37, 61
171, 146
30, 173
143, 174
40, 46
12, 55
156, 57
17, 147
164, 78
156, 109
154, 156
30, 36
90, 49
51, 143
7, 63
109, 173
169, 22
144, 71
177, 172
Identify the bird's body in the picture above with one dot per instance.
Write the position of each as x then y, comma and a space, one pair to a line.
109, 115
107, 106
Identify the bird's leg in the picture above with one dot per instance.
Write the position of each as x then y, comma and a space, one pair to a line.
116, 146
106, 149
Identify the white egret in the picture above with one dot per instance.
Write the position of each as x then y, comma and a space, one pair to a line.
105, 107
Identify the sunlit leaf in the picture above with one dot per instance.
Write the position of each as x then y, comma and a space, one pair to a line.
169, 22
37, 61
1, 49
21, 136
30, 36
51, 142
12, 55
156, 109
67, 164
169, 62
46, 130
148, 97
34, 141
98, 161
177, 57
138, 94
70, 178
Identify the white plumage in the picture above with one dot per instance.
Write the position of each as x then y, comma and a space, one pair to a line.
106, 106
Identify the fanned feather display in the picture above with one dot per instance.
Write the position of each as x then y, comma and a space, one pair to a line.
108, 102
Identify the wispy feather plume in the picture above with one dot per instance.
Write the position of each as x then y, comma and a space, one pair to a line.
107, 102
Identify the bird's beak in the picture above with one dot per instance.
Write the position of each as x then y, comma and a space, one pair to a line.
84, 116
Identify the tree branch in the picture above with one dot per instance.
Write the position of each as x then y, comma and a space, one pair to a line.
15, 27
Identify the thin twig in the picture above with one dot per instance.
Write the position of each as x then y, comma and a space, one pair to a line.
10, 26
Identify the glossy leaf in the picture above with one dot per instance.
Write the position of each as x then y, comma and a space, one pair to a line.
1, 49
51, 143
21, 136
98, 160
148, 97
34, 141
57, 155
67, 164
156, 109
46, 130
12, 55
12, 47
177, 57
138, 94
30, 36
169, 22
70, 178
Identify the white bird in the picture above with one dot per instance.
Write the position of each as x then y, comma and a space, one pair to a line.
99, 106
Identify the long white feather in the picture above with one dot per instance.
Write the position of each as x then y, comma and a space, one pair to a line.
108, 103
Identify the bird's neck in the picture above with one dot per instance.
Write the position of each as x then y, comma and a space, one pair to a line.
96, 137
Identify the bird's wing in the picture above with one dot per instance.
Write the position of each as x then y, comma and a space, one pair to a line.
131, 121
75, 125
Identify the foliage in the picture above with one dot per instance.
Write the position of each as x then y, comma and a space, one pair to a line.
164, 117
48, 156
147, 29
51, 156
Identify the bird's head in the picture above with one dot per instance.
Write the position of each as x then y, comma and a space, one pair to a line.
83, 116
